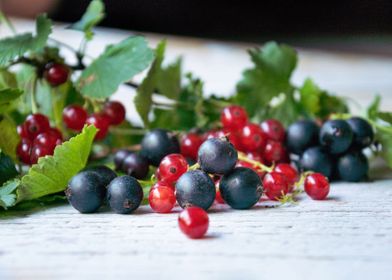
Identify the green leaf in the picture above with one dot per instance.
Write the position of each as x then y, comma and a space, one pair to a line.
9, 138
273, 66
13, 47
118, 63
9, 94
7, 79
385, 116
373, 108
7, 193
7, 168
169, 80
310, 96
52, 173
94, 15
143, 98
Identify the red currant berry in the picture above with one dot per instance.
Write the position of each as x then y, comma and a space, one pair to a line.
193, 222
56, 74
47, 139
234, 138
274, 152
275, 185
38, 151
162, 199
317, 186
56, 132
163, 184
190, 144
22, 131
289, 171
24, 150
100, 121
115, 111
255, 155
36, 124
234, 117
252, 137
273, 130
172, 167
74, 117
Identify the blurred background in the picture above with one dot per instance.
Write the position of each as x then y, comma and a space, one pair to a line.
352, 25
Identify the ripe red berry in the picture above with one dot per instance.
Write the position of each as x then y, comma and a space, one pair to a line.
100, 121
36, 124
193, 222
22, 131
190, 144
38, 151
47, 139
74, 117
273, 130
317, 186
252, 137
234, 117
289, 171
235, 139
115, 111
56, 132
274, 152
162, 199
172, 167
275, 185
24, 150
56, 74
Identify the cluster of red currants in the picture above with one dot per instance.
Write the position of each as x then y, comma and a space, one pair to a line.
75, 117
38, 139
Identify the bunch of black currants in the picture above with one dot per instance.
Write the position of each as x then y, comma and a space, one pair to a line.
335, 149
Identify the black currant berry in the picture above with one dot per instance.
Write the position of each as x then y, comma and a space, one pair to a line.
336, 136
157, 144
119, 157
363, 132
318, 160
124, 194
241, 188
352, 167
302, 135
136, 166
217, 156
105, 173
195, 188
85, 192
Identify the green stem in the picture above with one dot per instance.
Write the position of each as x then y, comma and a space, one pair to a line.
243, 157
34, 107
194, 167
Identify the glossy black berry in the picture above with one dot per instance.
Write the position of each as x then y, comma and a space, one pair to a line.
105, 173
119, 157
318, 160
135, 165
336, 136
301, 135
157, 144
241, 188
195, 188
352, 167
85, 192
363, 134
217, 156
124, 194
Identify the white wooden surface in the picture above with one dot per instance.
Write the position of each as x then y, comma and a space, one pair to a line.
348, 236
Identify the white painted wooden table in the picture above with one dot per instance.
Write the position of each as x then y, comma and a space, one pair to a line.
348, 236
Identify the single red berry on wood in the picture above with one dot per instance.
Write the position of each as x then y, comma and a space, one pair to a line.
252, 138
36, 124
162, 199
273, 130
274, 152
38, 151
74, 117
24, 150
56, 74
190, 144
275, 185
115, 111
100, 121
317, 186
234, 117
193, 222
289, 171
172, 167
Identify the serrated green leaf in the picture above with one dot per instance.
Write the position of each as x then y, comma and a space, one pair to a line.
310, 96
52, 173
9, 138
373, 108
8, 193
94, 15
7, 168
118, 63
143, 98
169, 80
13, 47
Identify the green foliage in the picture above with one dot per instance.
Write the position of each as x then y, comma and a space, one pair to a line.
8, 193
13, 47
169, 80
7, 168
9, 138
118, 63
94, 15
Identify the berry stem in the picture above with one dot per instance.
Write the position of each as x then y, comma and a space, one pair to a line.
194, 167
243, 157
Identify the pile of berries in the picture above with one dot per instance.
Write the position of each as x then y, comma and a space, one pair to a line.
38, 139
75, 117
